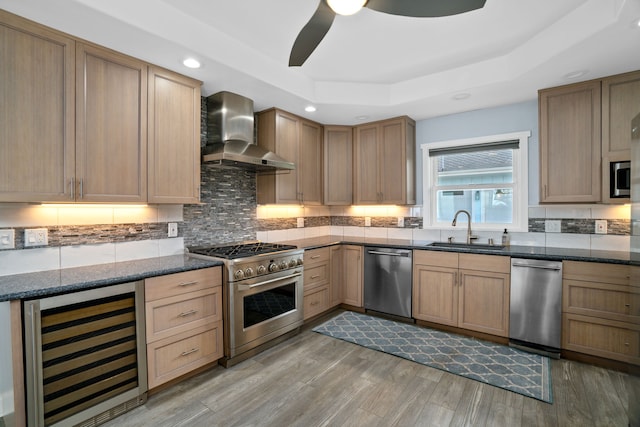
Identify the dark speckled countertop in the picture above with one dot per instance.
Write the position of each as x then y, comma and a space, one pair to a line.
31, 285
530, 252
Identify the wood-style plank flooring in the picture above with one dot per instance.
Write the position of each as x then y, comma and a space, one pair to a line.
314, 380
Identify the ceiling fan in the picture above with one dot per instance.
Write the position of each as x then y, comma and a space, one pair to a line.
312, 34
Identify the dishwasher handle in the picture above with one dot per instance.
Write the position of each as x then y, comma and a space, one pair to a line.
543, 267
403, 254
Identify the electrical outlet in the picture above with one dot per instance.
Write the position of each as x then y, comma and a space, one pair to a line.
172, 230
552, 226
300, 222
367, 221
7, 238
601, 226
401, 221
36, 237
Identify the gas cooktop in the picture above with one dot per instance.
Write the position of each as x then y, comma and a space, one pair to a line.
240, 250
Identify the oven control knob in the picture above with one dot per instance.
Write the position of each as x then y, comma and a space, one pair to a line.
292, 263
239, 274
283, 265
273, 267
299, 261
248, 272
262, 269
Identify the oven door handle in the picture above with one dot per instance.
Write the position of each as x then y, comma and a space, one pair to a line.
266, 282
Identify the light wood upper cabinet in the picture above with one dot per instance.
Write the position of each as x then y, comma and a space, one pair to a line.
620, 104
174, 137
37, 135
297, 140
338, 165
384, 162
111, 126
569, 120
468, 291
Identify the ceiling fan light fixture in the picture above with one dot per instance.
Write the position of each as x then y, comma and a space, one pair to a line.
346, 7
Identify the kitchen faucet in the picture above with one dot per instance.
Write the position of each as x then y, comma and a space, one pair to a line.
470, 236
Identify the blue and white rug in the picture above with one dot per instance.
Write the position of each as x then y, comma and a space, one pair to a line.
494, 364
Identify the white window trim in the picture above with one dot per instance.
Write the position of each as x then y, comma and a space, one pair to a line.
520, 184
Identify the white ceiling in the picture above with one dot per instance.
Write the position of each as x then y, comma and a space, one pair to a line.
370, 65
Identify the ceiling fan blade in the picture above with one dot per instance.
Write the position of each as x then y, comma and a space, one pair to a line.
311, 34
424, 8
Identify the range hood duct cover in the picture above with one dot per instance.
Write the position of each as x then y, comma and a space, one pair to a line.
230, 130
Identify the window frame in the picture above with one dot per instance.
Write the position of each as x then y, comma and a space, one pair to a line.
520, 182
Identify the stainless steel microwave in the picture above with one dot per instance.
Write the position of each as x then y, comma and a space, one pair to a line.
620, 179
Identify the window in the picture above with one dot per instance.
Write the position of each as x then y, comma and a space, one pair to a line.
485, 176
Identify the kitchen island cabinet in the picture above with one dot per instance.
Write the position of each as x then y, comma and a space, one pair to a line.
174, 137
183, 323
601, 311
468, 291
384, 162
299, 141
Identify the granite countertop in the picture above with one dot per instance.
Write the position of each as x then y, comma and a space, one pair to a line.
38, 284
529, 252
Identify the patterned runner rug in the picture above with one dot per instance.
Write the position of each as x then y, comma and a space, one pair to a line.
494, 364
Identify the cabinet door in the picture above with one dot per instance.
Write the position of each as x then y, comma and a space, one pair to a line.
174, 138
337, 275
310, 163
570, 143
435, 294
393, 171
287, 134
620, 104
366, 156
338, 165
484, 302
37, 154
352, 278
111, 126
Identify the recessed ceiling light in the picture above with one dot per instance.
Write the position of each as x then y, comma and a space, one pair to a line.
309, 108
362, 117
191, 63
461, 96
575, 74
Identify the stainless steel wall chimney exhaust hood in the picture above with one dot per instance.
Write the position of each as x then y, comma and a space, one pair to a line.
230, 136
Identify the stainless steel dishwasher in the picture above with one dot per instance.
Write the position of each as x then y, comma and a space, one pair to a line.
535, 317
387, 280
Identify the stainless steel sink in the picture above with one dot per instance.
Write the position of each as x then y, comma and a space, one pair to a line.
467, 246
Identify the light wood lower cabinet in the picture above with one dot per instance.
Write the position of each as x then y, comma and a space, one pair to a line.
317, 273
468, 291
352, 275
183, 323
601, 311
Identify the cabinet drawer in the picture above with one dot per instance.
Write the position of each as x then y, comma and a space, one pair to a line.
596, 272
181, 313
316, 276
179, 283
175, 356
605, 300
600, 337
316, 302
494, 263
438, 259
315, 256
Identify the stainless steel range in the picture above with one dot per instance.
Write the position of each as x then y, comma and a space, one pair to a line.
262, 292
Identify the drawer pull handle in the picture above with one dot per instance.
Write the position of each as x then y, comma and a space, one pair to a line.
626, 344
627, 305
315, 277
314, 303
188, 283
188, 352
187, 313
315, 257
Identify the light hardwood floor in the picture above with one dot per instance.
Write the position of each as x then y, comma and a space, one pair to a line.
314, 380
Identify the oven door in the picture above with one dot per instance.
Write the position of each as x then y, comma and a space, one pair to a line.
264, 308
